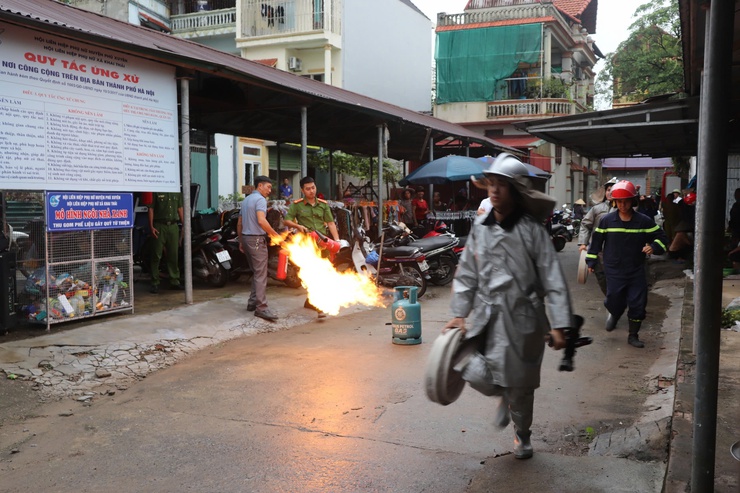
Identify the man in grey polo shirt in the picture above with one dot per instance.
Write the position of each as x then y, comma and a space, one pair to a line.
253, 228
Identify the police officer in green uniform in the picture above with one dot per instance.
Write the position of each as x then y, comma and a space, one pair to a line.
311, 214
165, 212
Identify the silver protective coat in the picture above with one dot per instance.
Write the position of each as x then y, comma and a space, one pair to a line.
591, 220
500, 286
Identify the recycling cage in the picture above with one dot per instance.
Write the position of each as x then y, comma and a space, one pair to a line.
89, 273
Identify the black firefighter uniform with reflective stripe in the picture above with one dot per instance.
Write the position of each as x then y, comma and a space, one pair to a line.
313, 217
624, 261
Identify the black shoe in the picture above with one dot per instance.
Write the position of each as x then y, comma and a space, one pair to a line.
177, 287
566, 364
154, 289
634, 341
611, 322
251, 307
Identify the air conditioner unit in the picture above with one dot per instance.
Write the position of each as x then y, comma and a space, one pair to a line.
294, 64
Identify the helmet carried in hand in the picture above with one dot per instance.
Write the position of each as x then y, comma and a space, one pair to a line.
690, 198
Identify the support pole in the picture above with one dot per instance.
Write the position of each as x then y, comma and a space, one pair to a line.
381, 146
332, 180
187, 213
716, 91
304, 141
209, 177
235, 168
279, 164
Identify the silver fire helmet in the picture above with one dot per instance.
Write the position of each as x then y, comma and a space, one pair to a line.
507, 165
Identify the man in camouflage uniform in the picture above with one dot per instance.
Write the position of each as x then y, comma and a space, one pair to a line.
311, 214
165, 212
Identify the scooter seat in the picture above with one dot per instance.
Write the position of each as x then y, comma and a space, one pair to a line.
399, 251
434, 242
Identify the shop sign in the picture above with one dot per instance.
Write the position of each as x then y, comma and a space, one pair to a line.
74, 116
73, 211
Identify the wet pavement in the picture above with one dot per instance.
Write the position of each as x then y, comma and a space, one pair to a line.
333, 406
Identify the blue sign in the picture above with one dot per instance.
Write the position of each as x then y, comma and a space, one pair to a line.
74, 211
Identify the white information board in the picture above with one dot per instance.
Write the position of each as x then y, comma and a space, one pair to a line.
78, 117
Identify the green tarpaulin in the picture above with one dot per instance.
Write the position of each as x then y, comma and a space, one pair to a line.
471, 63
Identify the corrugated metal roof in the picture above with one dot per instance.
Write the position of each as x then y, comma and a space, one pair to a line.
236, 96
637, 163
520, 141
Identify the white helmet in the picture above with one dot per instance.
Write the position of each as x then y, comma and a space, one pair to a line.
507, 165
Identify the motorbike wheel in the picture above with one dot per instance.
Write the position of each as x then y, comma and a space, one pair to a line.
234, 275
559, 243
412, 276
219, 278
445, 272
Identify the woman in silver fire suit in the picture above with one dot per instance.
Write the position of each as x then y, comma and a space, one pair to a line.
508, 268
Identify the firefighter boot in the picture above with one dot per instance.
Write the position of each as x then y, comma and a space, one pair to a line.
611, 322
523, 445
632, 339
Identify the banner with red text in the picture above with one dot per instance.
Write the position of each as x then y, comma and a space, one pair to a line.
77, 117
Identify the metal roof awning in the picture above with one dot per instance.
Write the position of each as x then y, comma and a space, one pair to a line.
520, 141
636, 163
235, 96
657, 129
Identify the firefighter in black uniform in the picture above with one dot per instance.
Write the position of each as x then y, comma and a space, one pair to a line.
626, 237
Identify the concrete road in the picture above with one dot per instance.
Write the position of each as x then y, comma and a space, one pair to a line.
334, 406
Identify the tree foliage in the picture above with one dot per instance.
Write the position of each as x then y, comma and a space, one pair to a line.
649, 62
358, 166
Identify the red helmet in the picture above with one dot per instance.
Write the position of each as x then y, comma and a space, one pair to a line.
624, 190
690, 198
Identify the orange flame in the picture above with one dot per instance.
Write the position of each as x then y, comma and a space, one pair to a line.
329, 290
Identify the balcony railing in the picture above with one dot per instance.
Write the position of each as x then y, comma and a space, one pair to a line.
220, 20
509, 12
531, 107
180, 7
279, 17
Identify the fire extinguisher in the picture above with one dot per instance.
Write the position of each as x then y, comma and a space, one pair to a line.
282, 266
326, 243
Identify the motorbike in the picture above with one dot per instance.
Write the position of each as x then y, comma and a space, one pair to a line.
211, 261
389, 265
562, 222
557, 234
240, 267
440, 228
438, 247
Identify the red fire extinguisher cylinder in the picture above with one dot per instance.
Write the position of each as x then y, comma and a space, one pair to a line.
282, 266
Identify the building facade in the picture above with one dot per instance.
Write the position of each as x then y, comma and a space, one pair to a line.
501, 62
338, 42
